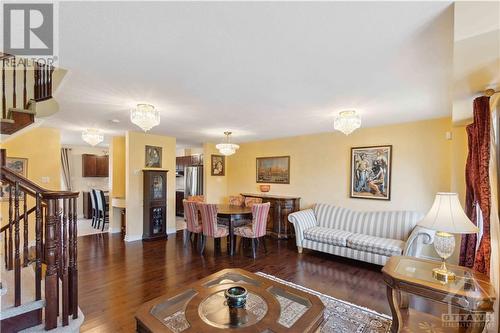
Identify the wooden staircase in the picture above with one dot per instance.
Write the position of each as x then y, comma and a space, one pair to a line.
41, 281
23, 85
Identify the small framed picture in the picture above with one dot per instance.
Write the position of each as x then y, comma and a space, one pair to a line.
371, 170
218, 165
18, 165
153, 157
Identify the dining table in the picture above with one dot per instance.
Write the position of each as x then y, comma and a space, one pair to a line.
233, 213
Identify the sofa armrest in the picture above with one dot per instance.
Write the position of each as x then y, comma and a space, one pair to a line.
301, 221
418, 237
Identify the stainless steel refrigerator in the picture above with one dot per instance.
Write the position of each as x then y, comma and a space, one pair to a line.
193, 181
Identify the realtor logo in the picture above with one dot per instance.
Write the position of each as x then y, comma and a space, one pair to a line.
28, 29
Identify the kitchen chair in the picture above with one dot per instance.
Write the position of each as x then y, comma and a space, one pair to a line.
192, 220
257, 230
210, 226
236, 200
93, 201
249, 201
102, 209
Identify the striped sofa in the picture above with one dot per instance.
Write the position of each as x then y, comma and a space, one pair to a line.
368, 236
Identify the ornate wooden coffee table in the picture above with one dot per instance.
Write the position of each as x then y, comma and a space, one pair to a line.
201, 307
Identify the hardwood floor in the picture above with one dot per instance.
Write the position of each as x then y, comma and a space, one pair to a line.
117, 277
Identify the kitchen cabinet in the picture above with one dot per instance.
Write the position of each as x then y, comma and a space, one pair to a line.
95, 166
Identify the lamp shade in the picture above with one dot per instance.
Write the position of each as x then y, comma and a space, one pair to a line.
447, 215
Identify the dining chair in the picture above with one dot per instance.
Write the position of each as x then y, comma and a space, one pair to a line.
257, 230
197, 198
236, 200
249, 201
192, 220
103, 209
210, 226
93, 202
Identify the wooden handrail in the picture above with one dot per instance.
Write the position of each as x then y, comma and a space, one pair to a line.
56, 245
31, 210
27, 185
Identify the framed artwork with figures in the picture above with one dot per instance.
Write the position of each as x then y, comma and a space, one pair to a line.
371, 170
153, 157
218, 163
18, 165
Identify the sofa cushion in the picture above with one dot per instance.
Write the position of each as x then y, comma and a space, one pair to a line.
327, 235
377, 245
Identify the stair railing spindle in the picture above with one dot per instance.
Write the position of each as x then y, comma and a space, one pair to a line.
25, 231
64, 263
38, 248
4, 102
25, 92
17, 257
10, 250
14, 97
51, 273
74, 275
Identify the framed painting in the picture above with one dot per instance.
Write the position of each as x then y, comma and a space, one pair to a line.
18, 165
153, 157
273, 170
218, 165
371, 170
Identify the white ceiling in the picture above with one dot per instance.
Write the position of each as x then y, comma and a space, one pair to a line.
262, 70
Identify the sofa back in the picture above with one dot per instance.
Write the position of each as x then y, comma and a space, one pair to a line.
386, 224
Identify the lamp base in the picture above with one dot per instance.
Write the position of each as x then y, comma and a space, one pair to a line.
442, 274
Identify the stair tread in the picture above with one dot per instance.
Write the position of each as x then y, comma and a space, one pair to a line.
27, 288
21, 110
7, 120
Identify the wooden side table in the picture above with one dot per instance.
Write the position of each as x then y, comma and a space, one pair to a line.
471, 292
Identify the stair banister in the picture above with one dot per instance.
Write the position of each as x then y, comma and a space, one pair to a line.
55, 244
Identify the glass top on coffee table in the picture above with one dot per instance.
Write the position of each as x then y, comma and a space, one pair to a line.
270, 307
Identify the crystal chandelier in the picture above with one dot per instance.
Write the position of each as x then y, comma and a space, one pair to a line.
347, 122
145, 116
227, 148
92, 136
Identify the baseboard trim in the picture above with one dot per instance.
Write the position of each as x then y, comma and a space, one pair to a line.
114, 230
132, 238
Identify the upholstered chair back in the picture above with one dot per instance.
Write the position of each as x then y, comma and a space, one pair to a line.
249, 201
260, 213
191, 215
208, 218
197, 198
236, 200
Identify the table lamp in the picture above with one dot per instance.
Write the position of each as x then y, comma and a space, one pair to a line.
446, 217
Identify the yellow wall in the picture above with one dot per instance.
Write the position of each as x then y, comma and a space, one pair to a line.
215, 187
320, 165
117, 166
135, 143
42, 162
458, 160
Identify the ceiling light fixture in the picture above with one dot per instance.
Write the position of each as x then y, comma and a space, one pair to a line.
145, 116
347, 122
227, 148
92, 136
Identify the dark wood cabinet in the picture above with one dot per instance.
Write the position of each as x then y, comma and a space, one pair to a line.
281, 206
102, 166
95, 166
184, 161
179, 207
155, 205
